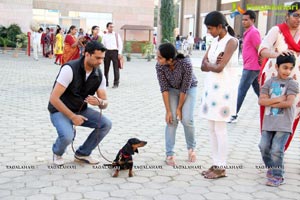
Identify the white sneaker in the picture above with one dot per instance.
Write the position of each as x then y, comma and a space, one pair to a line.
86, 159
58, 160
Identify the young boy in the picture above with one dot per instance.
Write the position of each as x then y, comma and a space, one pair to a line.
278, 95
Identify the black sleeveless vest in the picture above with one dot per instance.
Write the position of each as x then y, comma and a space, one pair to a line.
79, 88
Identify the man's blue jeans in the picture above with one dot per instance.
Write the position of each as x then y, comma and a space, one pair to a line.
249, 77
187, 119
272, 150
64, 128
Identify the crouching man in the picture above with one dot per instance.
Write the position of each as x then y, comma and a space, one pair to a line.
74, 88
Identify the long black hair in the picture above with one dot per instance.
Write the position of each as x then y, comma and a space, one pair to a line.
57, 30
216, 18
168, 51
93, 28
71, 28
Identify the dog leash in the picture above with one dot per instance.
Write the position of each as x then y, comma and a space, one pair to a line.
74, 131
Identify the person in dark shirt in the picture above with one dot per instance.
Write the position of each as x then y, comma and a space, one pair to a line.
178, 86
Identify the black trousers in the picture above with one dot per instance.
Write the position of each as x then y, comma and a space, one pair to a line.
112, 55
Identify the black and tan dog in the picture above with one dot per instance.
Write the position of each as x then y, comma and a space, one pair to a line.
123, 159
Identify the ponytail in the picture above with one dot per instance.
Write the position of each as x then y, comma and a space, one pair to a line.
230, 30
215, 18
180, 56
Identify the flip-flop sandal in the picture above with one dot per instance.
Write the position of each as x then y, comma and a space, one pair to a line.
215, 174
170, 161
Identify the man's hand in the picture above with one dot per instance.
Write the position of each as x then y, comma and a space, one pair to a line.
93, 100
77, 120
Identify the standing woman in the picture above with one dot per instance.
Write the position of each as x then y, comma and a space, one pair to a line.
282, 39
71, 46
59, 43
95, 34
178, 86
218, 101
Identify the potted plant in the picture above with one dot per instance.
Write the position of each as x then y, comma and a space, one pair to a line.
147, 50
127, 50
21, 41
4, 42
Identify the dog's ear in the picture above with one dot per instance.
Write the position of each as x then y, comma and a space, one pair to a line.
128, 148
132, 141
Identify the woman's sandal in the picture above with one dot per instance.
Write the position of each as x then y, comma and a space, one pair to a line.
203, 173
216, 173
192, 156
170, 161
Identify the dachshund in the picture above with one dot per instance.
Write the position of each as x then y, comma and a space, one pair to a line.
123, 160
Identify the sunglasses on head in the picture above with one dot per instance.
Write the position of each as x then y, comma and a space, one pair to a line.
296, 15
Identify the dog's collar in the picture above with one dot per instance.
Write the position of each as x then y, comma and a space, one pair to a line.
125, 155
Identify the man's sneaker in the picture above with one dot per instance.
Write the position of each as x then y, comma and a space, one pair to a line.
86, 159
58, 160
233, 119
275, 182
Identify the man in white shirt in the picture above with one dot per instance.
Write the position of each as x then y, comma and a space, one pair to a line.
75, 88
190, 41
36, 43
113, 42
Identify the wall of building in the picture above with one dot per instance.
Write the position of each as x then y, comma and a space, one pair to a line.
122, 12
265, 19
16, 12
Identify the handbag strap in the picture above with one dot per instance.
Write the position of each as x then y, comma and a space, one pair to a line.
116, 36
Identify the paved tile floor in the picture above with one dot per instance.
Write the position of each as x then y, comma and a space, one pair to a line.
136, 110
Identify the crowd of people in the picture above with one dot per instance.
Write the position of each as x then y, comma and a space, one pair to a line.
275, 81
271, 66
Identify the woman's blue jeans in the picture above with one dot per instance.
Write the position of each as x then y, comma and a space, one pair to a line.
64, 128
272, 150
187, 119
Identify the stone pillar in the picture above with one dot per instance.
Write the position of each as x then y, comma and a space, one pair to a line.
158, 36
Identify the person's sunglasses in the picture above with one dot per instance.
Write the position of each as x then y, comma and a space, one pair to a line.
296, 15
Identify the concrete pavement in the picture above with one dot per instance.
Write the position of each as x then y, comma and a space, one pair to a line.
136, 110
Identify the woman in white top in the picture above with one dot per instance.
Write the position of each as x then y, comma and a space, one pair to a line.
218, 101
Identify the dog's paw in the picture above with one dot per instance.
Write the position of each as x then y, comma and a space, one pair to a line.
116, 174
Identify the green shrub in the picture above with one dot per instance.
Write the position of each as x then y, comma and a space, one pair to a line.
21, 40
12, 31
8, 36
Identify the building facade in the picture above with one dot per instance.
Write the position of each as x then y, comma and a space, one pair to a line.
83, 14
193, 12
